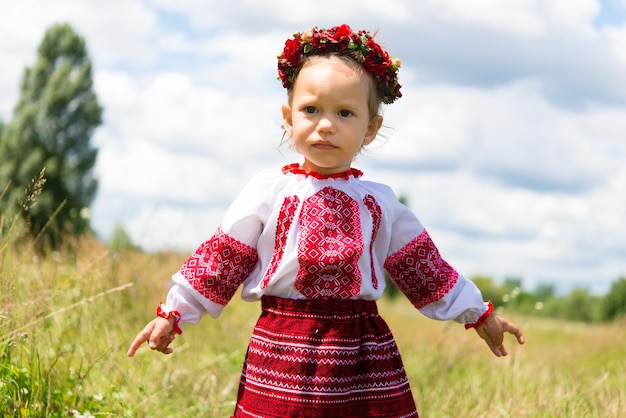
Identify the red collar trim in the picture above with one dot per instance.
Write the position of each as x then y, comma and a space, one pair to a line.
295, 169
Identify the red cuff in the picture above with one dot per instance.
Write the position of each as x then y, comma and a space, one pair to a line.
174, 314
483, 317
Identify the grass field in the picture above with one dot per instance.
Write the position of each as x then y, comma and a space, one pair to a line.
66, 323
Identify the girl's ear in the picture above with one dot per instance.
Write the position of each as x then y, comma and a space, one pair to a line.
372, 129
287, 121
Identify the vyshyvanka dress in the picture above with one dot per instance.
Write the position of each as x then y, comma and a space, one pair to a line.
314, 250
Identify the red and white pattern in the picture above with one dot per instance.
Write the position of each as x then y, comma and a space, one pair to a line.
219, 266
323, 358
330, 244
285, 219
374, 208
420, 272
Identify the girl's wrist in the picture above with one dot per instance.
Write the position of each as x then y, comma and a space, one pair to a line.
170, 315
482, 318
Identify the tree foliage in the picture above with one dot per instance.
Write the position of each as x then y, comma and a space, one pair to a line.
53, 121
580, 305
614, 306
121, 241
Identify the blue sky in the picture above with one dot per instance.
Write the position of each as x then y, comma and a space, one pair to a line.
509, 142
612, 12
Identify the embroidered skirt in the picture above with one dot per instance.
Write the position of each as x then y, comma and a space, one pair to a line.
323, 358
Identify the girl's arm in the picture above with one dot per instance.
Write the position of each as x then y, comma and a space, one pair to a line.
436, 288
211, 275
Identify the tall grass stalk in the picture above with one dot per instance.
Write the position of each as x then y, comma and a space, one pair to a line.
11, 334
47, 306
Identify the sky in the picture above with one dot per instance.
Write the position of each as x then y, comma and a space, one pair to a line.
509, 142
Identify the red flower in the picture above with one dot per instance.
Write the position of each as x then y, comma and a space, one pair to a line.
340, 32
291, 52
377, 60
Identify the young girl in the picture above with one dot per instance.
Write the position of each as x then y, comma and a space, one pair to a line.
313, 242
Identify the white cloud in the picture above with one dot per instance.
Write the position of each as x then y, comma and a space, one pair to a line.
577, 14
510, 134
252, 16
516, 17
616, 37
508, 140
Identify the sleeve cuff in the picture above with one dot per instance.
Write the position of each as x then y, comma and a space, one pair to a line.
167, 315
482, 318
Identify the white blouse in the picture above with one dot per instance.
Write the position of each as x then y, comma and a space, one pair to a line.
296, 234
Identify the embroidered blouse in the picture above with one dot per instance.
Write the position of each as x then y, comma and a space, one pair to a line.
297, 234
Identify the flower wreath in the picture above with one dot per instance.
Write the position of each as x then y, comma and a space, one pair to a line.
341, 39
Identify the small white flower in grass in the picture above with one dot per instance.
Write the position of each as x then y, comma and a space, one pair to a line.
85, 213
78, 414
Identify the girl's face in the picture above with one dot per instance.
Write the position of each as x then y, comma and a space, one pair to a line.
328, 115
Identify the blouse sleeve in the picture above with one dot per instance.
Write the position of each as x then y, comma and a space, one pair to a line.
431, 284
209, 278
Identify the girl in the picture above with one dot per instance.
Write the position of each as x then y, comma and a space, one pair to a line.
313, 242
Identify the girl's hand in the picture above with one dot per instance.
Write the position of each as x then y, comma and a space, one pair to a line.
492, 331
159, 333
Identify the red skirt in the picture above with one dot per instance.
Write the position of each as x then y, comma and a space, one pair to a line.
323, 358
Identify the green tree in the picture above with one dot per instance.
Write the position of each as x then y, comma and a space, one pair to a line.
544, 291
52, 125
579, 305
511, 284
120, 240
489, 290
614, 305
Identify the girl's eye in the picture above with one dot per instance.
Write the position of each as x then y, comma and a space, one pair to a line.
310, 109
345, 113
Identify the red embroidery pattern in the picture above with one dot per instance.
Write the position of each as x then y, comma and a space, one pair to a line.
285, 218
219, 266
312, 358
377, 213
329, 246
420, 272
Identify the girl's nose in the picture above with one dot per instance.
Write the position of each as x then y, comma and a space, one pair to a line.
325, 124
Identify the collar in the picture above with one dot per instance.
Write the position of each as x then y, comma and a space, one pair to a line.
296, 169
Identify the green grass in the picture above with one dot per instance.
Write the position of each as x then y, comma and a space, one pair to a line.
66, 323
